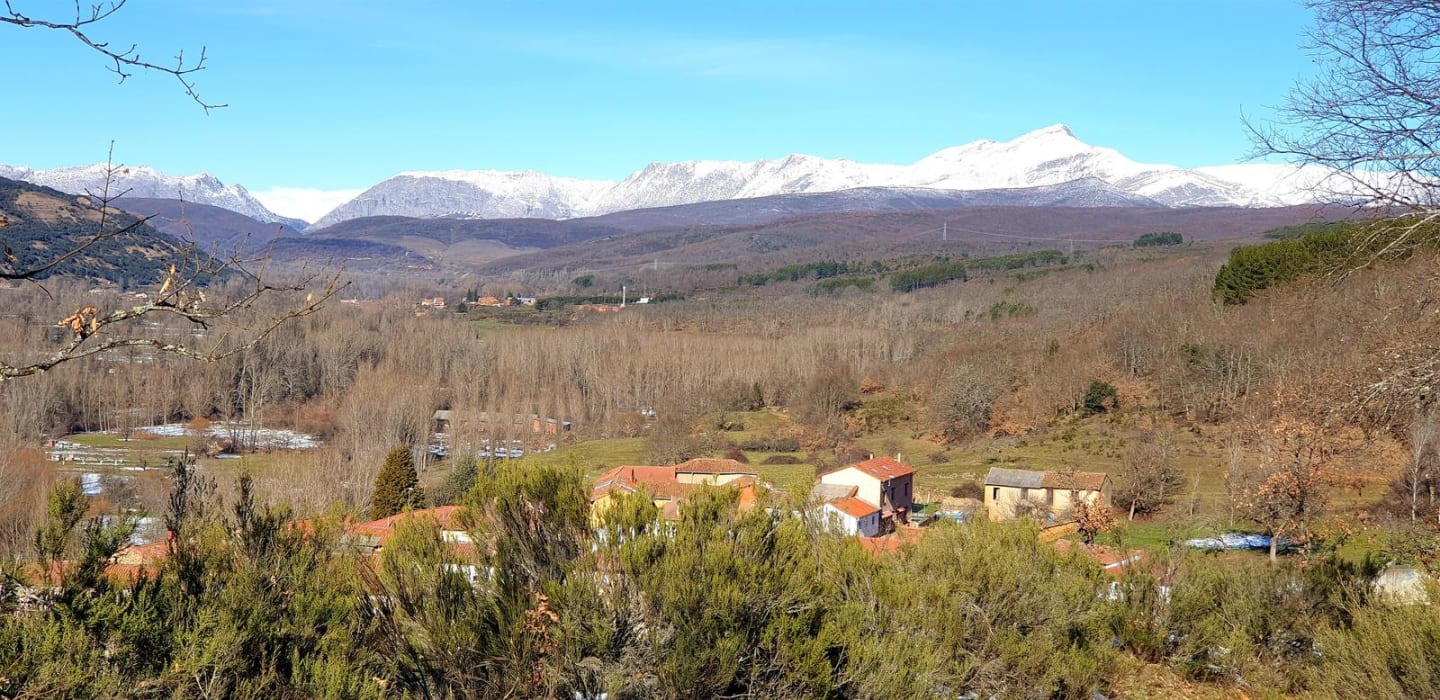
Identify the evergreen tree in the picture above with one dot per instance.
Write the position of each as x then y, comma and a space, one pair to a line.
397, 487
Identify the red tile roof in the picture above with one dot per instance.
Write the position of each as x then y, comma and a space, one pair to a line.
902, 536
661, 482
884, 468
705, 465
854, 507
384, 527
1080, 481
1114, 561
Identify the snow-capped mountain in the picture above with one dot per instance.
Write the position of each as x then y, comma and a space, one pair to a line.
480, 194
149, 183
1045, 157
1049, 156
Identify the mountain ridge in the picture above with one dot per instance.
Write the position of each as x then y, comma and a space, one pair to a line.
1048, 156
143, 182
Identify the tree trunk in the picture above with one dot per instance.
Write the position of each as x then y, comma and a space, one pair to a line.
1414, 495
1274, 541
1132, 509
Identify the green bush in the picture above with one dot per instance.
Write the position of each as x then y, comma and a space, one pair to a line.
1100, 397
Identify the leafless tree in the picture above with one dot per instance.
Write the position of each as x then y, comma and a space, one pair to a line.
1372, 114
1372, 110
236, 301
1421, 473
123, 60
1149, 477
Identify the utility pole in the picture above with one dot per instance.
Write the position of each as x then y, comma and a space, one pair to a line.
945, 231
622, 296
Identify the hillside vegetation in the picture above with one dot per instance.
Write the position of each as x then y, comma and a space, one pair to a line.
1121, 360
41, 225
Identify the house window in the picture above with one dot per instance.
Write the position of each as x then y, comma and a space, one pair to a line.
1024, 494
1050, 497
995, 494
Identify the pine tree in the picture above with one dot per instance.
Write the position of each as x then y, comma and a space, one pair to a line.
397, 487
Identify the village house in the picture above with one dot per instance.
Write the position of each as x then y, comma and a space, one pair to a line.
1049, 495
845, 513
668, 487
883, 483
371, 537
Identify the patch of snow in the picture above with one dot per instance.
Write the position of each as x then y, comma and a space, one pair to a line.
248, 436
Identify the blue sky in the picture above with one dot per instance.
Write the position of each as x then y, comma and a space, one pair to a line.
337, 95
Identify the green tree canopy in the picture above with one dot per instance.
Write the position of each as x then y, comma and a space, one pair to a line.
397, 487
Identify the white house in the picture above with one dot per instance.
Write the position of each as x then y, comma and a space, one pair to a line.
853, 516
883, 482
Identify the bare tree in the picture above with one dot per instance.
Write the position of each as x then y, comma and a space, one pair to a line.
1371, 116
1372, 110
1149, 477
233, 301
1419, 478
123, 60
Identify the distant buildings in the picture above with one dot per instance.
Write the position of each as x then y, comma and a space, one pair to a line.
446, 421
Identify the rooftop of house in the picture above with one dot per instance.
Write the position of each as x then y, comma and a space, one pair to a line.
704, 465
854, 507
448, 415
662, 483
1113, 560
823, 492
901, 537
381, 529
883, 468
1025, 478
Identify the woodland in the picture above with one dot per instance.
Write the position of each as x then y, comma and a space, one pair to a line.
1282, 387
1269, 411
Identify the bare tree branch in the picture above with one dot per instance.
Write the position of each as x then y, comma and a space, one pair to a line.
191, 291
123, 62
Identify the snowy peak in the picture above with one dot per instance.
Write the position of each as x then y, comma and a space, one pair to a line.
146, 182
1045, 157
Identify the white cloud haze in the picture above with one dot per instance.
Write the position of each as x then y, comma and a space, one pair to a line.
304, 203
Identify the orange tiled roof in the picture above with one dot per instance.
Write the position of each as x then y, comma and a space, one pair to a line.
383, 527
704, 465
884, 468
854, 507
660, 482
901, 537
1081, 481
1114, 561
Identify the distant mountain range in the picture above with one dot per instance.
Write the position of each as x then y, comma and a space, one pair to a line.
1049, 157
148, 183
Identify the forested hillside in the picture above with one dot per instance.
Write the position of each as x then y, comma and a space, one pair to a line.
42, 226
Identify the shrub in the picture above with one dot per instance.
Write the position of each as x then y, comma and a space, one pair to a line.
969, 488
1100, 397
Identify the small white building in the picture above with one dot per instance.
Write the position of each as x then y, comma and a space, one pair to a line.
852, 516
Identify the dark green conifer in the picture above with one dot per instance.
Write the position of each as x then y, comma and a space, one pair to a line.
397, 486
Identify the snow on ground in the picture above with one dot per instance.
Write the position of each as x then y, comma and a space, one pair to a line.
249, 436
